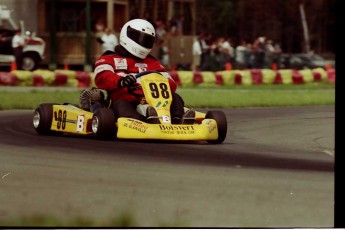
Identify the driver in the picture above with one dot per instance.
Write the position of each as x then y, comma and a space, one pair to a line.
115, 72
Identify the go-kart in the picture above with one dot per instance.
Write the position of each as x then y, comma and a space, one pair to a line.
51, 118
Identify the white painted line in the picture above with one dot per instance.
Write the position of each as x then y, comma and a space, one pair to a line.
5, 175
329, 152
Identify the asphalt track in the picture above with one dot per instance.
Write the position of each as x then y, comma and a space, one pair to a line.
275, 169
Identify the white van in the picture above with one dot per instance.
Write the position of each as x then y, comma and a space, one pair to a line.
33, 51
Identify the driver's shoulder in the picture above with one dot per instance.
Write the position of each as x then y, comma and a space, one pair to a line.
150, 56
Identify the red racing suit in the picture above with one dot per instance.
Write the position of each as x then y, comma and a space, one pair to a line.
111, 67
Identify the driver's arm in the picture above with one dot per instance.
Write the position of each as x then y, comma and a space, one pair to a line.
105, 76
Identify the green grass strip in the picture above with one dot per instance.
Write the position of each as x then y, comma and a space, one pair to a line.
195, 97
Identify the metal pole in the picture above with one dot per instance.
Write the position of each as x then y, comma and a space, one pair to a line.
52, 25
87, 66
305, 28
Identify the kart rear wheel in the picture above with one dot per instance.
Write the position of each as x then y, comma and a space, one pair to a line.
103, 124
222, 125
42, 119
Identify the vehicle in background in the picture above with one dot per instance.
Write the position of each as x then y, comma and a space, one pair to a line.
304, 61
33, 52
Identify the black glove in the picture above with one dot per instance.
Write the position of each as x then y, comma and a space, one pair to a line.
127, 81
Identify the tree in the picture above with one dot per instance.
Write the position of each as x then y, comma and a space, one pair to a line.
279, 20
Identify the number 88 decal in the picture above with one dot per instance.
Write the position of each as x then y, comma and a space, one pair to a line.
61, 119
163, 90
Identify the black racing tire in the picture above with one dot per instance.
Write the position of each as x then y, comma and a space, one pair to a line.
42, 118
222, 125
104, 124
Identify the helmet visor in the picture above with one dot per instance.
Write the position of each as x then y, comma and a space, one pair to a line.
143, 39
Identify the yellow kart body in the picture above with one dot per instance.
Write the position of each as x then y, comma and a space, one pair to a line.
68, 118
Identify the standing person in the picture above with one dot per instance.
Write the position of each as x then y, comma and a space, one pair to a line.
229, 50
160, 30
18, 44
270, 53
108, 40
206, 52
241, 55
277, 54
115, 72
197, 52
259, 47
164, 53
249, 56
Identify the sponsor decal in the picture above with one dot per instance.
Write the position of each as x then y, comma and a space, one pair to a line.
211, 127
166, 119
120, 63
80, 123
102, 68
141, 52
136, 125
141, 65
142, 69
179, 129
176, 127
60, 117
163, 105
100, 61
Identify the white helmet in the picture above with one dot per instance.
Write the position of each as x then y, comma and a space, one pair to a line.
137, 36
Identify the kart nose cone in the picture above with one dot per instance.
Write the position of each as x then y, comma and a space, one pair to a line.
95, 124
36, 119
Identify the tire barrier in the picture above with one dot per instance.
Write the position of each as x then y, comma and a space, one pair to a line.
82, 79
8, 79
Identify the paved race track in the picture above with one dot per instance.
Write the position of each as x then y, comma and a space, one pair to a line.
275, 169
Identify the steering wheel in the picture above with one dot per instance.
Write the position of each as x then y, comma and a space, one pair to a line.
146, 72
132, 88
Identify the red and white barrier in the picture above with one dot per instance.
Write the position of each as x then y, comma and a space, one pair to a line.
82, 79
253, 77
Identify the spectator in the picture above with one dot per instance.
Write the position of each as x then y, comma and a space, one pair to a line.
179, 25
160, 31
215, 60
273, 52
108, 40
163, 54
278, 52
99, 25
18, 44
270, 52
249, 56
259, 52
206, 52
173, 27
242, 55
197, 52
227, 51
232, 54
176, 26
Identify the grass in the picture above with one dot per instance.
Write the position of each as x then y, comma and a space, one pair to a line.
196, 97
235, 98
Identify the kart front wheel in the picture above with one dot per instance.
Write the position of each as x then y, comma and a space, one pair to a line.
42, 119
103, 124
222, 125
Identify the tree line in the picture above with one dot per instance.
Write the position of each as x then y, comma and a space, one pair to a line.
279, 20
